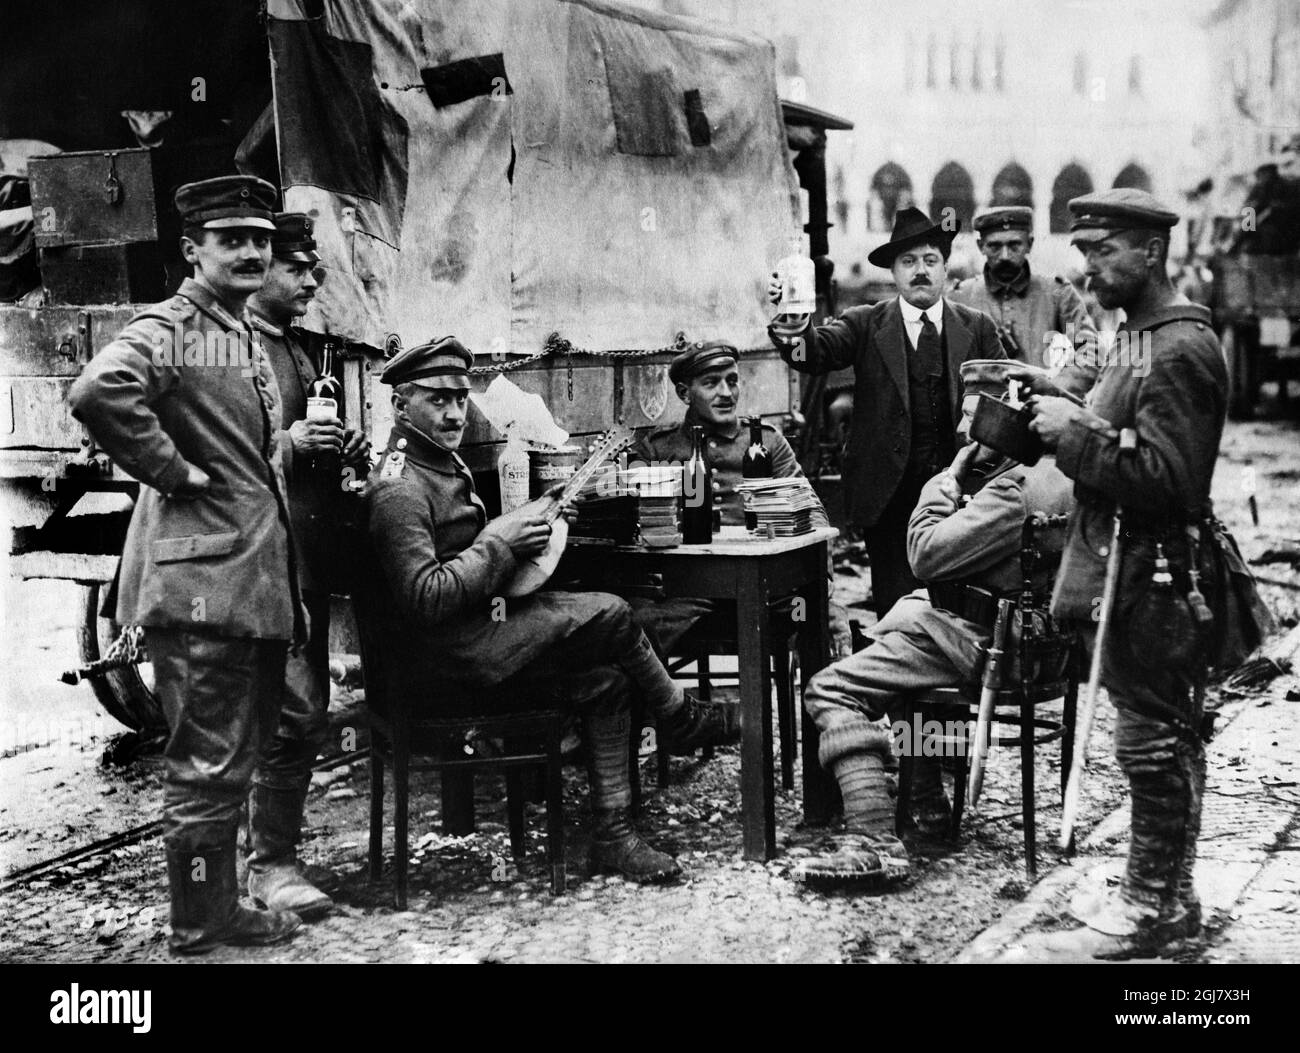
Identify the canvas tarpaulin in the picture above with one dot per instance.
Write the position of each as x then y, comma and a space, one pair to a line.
508, 168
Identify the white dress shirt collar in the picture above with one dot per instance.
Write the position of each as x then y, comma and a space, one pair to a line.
912, 318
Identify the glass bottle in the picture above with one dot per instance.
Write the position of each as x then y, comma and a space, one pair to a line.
756, 462
324, 395
697, 494
798, 281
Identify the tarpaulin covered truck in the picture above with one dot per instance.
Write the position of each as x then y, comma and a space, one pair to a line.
571, 187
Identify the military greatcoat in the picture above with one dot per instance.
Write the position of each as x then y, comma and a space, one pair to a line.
185, 383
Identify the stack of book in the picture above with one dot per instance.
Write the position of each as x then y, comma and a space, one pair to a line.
659, 489
782, 507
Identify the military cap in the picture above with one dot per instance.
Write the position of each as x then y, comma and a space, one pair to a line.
441, 363
227, 201
1098, 216
700, 356
1004, 217
293, 239
988, 376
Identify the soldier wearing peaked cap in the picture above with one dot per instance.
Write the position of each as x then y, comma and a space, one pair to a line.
444, 568
208, 567
1038, 319
283, 775
964, 541
1146, 447
707, 379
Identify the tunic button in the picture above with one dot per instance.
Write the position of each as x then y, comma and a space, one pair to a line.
713, 444
717, 486
1104, 550
401, 444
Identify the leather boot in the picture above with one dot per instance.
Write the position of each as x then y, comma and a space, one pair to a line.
274, 880
614, 841
205, 907
616, 846
695, 724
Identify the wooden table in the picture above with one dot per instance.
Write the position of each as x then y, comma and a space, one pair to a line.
753, 573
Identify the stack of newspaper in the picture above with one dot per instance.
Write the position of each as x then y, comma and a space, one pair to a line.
782, 507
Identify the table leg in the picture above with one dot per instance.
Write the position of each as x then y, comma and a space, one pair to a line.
819, 789
757, 790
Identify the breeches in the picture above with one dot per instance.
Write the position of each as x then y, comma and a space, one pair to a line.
221, 698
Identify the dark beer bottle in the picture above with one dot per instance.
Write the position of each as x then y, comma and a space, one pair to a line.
697, 494
756, 463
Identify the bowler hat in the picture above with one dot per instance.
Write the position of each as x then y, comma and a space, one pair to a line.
912, 227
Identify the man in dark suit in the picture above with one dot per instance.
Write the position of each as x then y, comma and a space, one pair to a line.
906, 355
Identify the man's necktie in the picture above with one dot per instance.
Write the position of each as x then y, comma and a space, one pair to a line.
927, 347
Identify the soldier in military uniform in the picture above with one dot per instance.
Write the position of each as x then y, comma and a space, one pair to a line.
1033, 313
1146, 447
446, 568
707, 380
969, 553
186, 401
284, 773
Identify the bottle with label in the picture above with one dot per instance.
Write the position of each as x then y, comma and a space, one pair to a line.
697, 494
798, 278
512, 470
324, 398
756, 462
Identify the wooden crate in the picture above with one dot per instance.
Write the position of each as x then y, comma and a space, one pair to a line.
104, 273
70, 205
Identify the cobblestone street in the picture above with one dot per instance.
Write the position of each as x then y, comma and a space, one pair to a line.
968, 901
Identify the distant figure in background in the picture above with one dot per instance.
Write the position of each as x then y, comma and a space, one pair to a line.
1039, 320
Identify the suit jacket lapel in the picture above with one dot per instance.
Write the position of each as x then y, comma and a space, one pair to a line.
958, 339
891, 341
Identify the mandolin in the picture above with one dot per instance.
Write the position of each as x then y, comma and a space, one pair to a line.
534, 572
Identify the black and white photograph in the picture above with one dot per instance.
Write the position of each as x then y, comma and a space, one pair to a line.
652, 482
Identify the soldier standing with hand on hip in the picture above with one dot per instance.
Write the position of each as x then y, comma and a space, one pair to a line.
208, 564
280, 785
1145, 449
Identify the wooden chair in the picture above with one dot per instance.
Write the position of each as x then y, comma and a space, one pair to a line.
716, 635
1044, 668
406, 736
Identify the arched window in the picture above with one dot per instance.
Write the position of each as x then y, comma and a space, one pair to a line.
1073, 181
977, 64
952, 189
1012, 186
891, 189
1135, 176
999, 64
841, 201
954, 64
1135, 75
1080, 74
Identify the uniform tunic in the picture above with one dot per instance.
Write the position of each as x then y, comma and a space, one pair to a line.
1176, 403
445, 615
668, 621
1032, 309
303, 725
916, 645
725, 449
212, 577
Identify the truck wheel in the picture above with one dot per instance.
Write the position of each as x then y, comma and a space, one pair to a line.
1241, 374
126, 693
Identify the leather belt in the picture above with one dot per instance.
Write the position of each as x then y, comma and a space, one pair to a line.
966, 601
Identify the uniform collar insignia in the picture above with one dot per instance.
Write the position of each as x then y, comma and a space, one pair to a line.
263, 324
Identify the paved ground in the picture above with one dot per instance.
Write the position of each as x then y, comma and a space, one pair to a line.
967, 900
